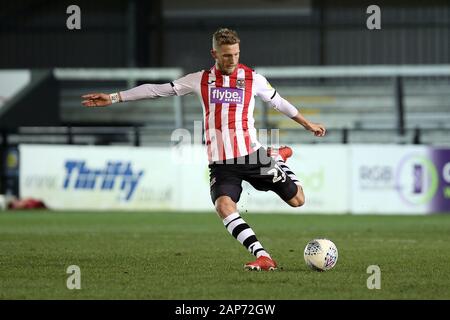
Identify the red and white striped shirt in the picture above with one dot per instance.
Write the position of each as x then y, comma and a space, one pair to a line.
228, 103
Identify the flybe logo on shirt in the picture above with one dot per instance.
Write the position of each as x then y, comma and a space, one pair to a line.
226, 95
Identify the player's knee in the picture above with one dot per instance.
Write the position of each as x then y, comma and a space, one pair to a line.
224, 205
298, 200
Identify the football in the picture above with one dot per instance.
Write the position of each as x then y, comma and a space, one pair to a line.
321, 254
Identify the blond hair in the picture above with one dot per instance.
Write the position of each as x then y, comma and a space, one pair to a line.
224, 36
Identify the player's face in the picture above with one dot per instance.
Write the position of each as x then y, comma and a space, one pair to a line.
227, 57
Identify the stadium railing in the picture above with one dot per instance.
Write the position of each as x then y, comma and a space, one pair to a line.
388, 104
358, 104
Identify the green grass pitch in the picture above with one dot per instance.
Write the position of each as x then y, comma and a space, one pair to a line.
143, 255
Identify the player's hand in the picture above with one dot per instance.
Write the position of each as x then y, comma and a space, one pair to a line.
96, 100
317, 128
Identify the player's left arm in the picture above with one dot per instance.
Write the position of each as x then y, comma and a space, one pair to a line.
317, 128
270, 95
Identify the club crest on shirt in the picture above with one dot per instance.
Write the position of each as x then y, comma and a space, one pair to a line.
240, 83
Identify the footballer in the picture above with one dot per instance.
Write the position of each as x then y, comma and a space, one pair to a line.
227, 94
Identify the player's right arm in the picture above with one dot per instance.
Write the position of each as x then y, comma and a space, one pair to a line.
96, 100
145, 91
179, 87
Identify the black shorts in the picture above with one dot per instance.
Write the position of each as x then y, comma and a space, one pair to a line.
258, 169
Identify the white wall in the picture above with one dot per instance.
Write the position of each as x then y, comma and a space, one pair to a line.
335, 178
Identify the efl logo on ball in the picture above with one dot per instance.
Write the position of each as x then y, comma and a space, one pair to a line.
321, 254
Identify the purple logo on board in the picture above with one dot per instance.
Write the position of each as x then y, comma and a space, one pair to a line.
226, 95
418, 178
